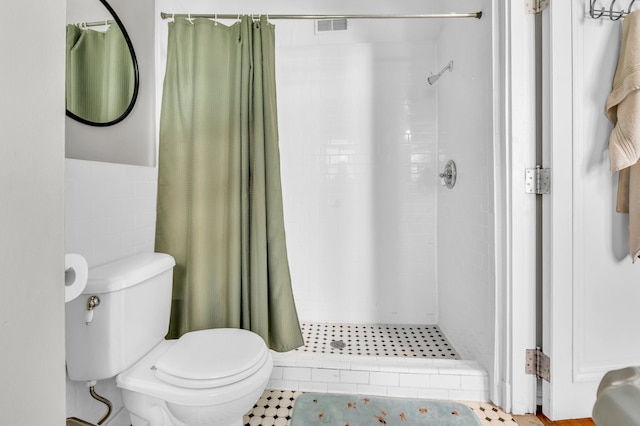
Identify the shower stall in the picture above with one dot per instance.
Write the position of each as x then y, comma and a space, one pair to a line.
388, 262
393, 272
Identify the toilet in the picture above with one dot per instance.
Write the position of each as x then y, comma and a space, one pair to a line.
117, 328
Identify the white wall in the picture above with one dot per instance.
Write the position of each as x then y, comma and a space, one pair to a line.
466, 244
591, 269
31, 217
606, 280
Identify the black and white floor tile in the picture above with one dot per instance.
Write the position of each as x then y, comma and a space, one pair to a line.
275, 408
425, 341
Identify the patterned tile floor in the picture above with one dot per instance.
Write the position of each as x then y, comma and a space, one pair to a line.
274, 408
377, 340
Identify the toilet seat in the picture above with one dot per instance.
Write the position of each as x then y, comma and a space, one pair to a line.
141, 378
212, 358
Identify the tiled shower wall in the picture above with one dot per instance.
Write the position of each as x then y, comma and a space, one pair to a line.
466, 255
358, 138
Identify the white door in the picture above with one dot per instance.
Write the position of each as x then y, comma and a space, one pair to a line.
591, 289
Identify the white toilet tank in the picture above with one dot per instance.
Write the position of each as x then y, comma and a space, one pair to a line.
132, 316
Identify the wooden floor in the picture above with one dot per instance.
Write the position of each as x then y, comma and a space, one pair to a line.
574, 422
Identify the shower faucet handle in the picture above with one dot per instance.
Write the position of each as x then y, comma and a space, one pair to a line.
449, 175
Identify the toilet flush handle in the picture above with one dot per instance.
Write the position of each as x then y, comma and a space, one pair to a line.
92, 302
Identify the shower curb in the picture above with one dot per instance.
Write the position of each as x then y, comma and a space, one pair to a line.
380, 376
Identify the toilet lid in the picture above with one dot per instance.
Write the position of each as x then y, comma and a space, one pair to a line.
212, 358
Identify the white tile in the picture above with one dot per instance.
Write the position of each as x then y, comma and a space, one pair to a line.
414, 380
342, 388
312, 387
402, 392
396, 368
291, 385
348, 376
468, 395
135, 173
325, 375
315, 363
102, 221
276, 373
372, 390
144, 188
336, 364
296, 373
79, 209
365, 367
424, 370
151, 174
384, 379
444, 382
344, 182
122, 189
433, 393
461, 369
474, 382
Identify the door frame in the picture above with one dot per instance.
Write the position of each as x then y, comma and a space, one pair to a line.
514, 150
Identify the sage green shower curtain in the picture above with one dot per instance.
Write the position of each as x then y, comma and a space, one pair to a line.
219, 193
100, 76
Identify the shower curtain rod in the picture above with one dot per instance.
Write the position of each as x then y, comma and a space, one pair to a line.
166, 15
95, 23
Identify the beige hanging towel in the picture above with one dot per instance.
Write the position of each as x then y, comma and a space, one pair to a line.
623, 109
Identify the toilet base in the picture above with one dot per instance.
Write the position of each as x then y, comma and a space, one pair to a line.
152, 402
145, 410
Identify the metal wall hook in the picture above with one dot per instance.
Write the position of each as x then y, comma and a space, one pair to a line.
613, 15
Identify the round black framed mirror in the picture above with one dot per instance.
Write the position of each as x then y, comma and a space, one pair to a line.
102, 70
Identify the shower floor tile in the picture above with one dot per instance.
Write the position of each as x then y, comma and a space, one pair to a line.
424, 341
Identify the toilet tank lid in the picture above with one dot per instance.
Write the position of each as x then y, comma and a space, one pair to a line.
126, 272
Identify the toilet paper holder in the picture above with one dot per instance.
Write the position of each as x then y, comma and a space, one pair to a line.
75, 276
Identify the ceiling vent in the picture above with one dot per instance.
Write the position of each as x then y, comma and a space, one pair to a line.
323, 25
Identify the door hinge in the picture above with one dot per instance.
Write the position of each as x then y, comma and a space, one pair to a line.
538, 364
536, 6
537, 181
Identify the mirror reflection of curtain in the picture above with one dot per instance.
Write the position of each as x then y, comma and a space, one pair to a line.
220, 208
100, 73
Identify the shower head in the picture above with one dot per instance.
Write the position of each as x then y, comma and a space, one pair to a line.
434, 77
